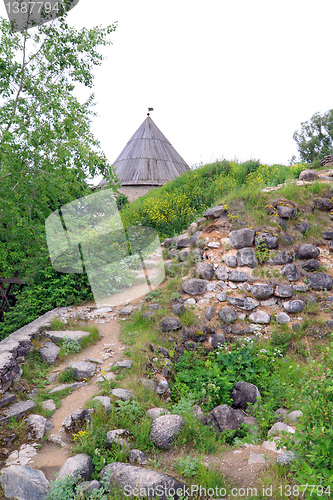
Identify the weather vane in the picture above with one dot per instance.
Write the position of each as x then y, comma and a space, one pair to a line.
150, 109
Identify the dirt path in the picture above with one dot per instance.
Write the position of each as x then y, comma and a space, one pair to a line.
51, 456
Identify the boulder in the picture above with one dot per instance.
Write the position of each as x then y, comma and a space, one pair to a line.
238, 276
182, 241
283, 291
280, 414
157, 412
323, 204
270, 240
224, 418
87, 487
278, 427
222, 296
327, 235
320, 281
308, 175
194, 286
290, 272
79, 465
246, 257
140, 482
247, 304
311, 265
262, 291
282, 318
243, 393
178, 309
293, 416
231, 260
280, 258
24, 483
137, 456
294, 306
164, 429
307, 251
122, 394
260, 317
105, 401
82, 369
203, 270
302, 227
76, 420
221, 273
183, 255
286, 212
7, 399
17, 410
126, 311
217, 340
209, 313
170, 324
228, 315
38, 426
118, 436
59, 336
49, 352
215, 212
241, 238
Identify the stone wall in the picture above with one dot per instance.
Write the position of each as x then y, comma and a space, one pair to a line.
134, 192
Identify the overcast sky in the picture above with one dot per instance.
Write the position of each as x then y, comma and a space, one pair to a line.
229, 79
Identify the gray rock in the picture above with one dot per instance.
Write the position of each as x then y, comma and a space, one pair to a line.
162, 386
79, 465
260, 317
126, 311
184, 255
124, 363
224, 418
49, 405
293, 416
270, 240
138, 457
320, 281
153, 307
217, 340
280, 414
311, 265
131, 478
268, 302
228, 315
199, 414
327, 235
197, 254
78, 417
203, 270
241, 238
122, 394
221, 273
243, 393
214, 212
7, 399
170, 324
222, 285
164, 429
74, 385
209, 313
182, 241
38, 426
66, 334
308, 175
282, 318
283, 291
82, 369
303, 227
290, 272
196, 241
118, 436
49, 352
262, 291
194, 286
24, 483
294, 306
17, 410
280, 258
246, 257
105, 401
286, 212
148, 315
87, 487
307, 251
280, 427
157, 412
178, 309
285, 458
222, 296
148, 384
247, 304
241, 330
231, 260
323, 204
238, 276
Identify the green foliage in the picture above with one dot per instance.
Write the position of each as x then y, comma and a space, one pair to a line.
70, 346
68, 488
262, 251
68, 375
314, 139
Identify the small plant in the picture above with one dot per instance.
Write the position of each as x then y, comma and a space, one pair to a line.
68, 375
70, 346
187, 466
262, 251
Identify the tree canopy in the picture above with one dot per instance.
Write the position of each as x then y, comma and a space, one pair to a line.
47, 150
314, 139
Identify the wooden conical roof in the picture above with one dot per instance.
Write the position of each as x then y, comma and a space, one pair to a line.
149, 158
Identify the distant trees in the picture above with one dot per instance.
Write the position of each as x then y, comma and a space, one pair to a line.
314, 139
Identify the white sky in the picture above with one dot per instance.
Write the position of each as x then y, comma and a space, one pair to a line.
229, 79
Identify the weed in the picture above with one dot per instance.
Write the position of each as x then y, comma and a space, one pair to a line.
68, 375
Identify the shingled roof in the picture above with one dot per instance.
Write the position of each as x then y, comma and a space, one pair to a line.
148, 158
